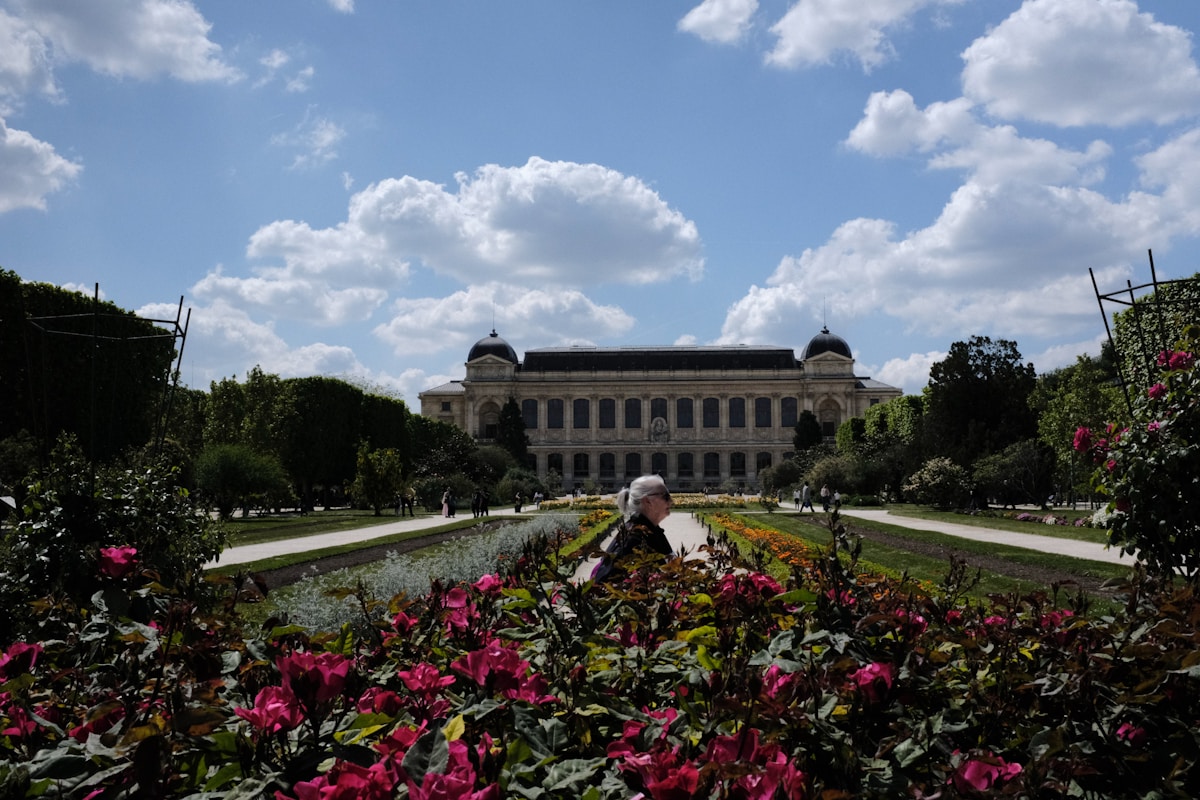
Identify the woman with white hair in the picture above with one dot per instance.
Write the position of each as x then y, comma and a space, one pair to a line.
644, 505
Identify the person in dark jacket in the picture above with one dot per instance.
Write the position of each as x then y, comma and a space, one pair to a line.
644, 505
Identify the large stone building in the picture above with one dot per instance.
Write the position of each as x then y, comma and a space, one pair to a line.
695, 415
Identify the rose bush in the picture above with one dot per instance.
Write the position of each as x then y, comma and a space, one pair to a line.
689, 680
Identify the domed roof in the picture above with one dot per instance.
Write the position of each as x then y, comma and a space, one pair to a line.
826, 342
493, 345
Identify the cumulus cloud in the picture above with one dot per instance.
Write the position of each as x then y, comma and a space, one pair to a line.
910, 373
719, 21
316, 139
543, 222
31, 169
815, 31
545, 315
139, 39
24, 62
1083, 62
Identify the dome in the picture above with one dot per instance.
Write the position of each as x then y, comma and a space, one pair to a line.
826, 342
493, 345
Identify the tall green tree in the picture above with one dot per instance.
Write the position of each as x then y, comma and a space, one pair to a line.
378, 478
321, 428
230, 476
807, 431
71, 364
978, 400
510, 431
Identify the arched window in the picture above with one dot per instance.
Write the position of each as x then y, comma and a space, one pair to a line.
581, 465
789, 413
554, 463
762, 461
529, 414
686, 465
633, 465
658, 464
608, 466
737, 465
712, 466
608, 412
581, 413
658, 408
554, 413
633, 412
489, 420
830, 415
737, 412
712, 412
762, 412
683, 412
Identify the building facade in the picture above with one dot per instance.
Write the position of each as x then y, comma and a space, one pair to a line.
698, 416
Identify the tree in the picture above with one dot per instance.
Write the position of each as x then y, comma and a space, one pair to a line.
940, 483
385, 422
378, 479
851, 435
439, 450
510, 431
73, 364
808, 431
1084, 394
232, 475
321, 426
1020, 473
978, 400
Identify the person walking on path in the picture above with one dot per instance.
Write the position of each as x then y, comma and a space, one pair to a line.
796, 498
825, 497
446, 502
806, 498
643, 507
407, 500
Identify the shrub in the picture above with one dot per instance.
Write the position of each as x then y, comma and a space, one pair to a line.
940, 483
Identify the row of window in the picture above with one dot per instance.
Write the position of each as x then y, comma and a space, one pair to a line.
685, 464
685, 412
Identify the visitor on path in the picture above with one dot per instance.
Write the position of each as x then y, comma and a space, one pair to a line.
643, 506
825, 497
446, 502
837, 499
408, 499
517, 503
806, 498
796, 498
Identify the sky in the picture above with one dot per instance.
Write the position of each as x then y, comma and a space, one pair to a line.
363, 189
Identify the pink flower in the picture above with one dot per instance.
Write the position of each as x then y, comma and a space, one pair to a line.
314, 679
380, 701
403, 622
1153, 426
1083, 440
982, 773
874, 680
117, 562
349, 781
425, 679
1132, 734
488, 584
1156, 391
776, 681
19, 659
500, 669
275, 711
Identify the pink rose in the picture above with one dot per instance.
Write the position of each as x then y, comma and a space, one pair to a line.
117, 562
1156, 391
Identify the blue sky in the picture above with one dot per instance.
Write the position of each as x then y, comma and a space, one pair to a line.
362, 189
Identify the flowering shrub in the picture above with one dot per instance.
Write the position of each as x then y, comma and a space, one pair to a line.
1148, 469
685, 680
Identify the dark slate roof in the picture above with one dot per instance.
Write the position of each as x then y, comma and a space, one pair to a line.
826, 342
493, 345
655, 359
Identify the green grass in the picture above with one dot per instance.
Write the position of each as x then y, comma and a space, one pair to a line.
270, 528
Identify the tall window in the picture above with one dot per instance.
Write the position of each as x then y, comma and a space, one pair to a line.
737, 465
712, 466
712, 412
554, 413
529, 414
633, 465
762, 412
658, 463
788, 412
608, 466
686, 467
581, 465
581, 413
737, 412
633, 413
683, 412
554, 462
658, 408
608, 412
762, 461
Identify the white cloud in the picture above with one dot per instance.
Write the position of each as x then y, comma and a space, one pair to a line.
24, 62
719, 21
343, 6
1083, 62
291, 297
300, 81
814, 31
31, 170
130, 38
911, 373
545, 315
315, 137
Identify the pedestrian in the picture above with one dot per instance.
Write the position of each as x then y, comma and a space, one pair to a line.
643, 506
517, 503
475, 504
446, 502
399, 504
825, 497
806, 498
407, 499
796, 497
837, 499
483, 503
